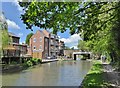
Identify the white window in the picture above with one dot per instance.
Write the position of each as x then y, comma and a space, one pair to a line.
34, 47
40, 47
34, 40
46, 48
40, 39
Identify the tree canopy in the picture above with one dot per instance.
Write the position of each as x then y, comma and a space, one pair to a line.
98, 21
28, 38
4, 37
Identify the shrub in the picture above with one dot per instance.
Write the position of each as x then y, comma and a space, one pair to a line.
39, 61
13, 62
36, 61
29, 63
32, 62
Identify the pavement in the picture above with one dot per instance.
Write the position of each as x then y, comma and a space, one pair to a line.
111, 75
49, 60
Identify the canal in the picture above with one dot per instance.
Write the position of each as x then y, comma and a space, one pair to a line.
60, 73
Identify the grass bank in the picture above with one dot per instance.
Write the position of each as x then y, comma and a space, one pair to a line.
15, 67
95, 77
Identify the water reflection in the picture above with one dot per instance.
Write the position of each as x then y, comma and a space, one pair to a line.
61, 73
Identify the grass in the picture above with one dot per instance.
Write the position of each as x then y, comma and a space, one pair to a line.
94, 78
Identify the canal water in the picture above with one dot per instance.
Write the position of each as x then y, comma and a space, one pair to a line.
60, 73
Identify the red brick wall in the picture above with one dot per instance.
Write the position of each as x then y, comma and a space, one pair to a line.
39, 44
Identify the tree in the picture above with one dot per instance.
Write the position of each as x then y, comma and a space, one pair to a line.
28, 38
82, 45
72, 48
95, 19
66, 47
4, 36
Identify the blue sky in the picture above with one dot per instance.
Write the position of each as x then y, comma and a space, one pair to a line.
12, 12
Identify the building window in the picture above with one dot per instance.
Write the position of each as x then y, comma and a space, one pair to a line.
40, 47
46, 48
40, 39
46, 54
34, 47
34, 40
46, 40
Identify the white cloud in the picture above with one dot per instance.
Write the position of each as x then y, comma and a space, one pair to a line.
59, 37
12, 24
15, 2
20, 34
72, 41
75, 47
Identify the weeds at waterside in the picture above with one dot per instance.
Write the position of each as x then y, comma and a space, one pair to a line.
94, 78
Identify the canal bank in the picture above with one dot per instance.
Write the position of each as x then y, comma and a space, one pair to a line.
101, 75
58, 73
11, 68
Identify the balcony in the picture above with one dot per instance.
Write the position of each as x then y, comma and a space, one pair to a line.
57, 38
56, 50
56, 44
11, 53
52, 36
63, 45
52, 43
52, 50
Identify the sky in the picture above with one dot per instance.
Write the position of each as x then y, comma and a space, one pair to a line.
12, 12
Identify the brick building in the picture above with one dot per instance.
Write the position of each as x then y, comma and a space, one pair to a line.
43, 44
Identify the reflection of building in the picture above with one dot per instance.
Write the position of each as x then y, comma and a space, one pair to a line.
14, 51
44, 44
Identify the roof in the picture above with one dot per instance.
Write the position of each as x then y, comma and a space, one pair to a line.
18, 44
12, 34
46, 33
9, 47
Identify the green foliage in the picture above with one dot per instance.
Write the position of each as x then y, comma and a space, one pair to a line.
98, 21
13, 62
72, 48
94, 78
76, 16
33, 61
29, 63
82, 45
28, 38
5, 38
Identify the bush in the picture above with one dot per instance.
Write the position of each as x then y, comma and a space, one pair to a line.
39, 61
13, 62
33, 61
29, 63
84, 58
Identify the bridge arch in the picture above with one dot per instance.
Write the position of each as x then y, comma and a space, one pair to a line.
81, 53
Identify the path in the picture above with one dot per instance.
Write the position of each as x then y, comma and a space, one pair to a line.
111, 76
